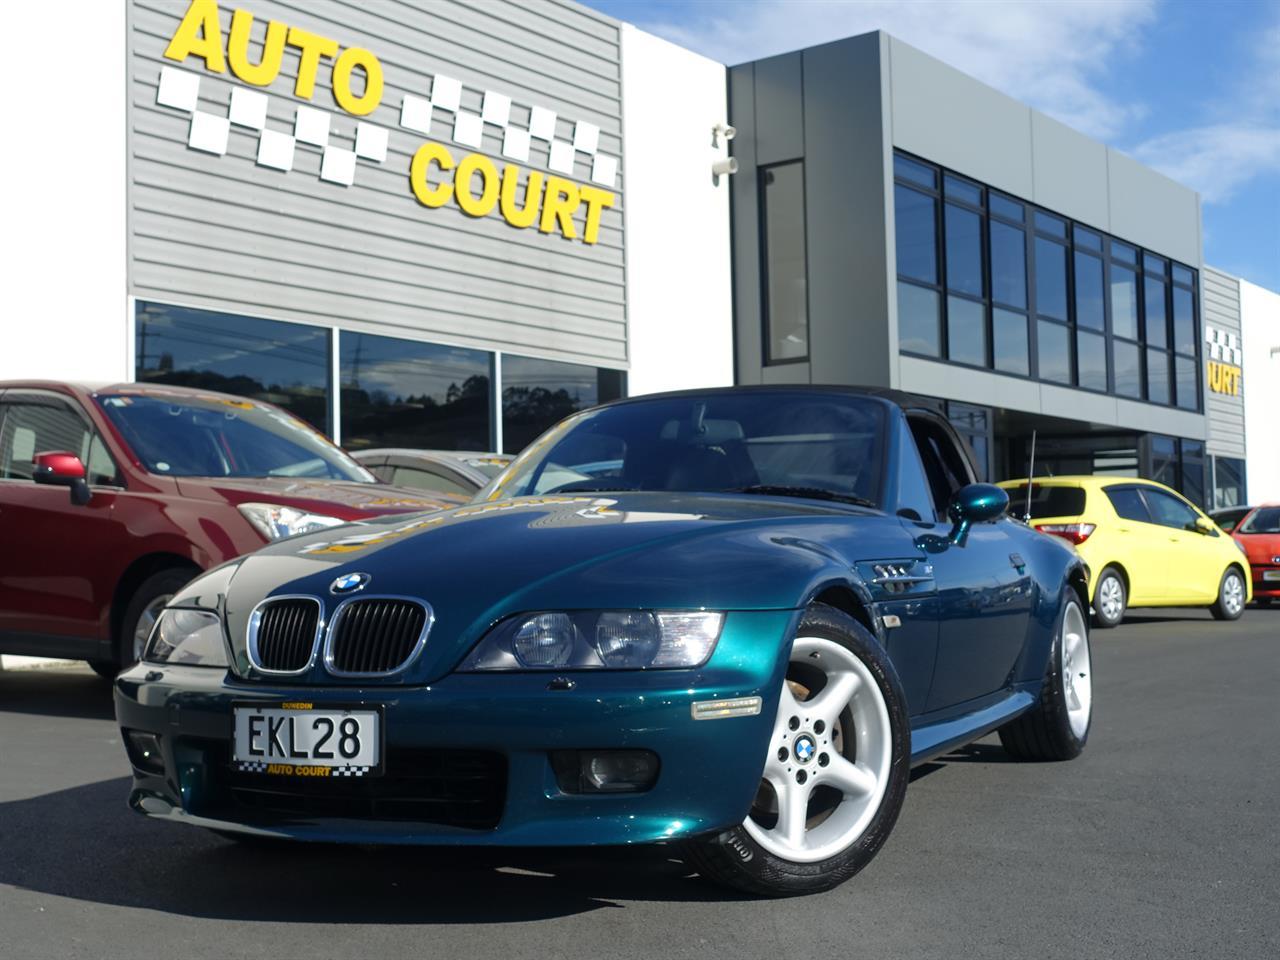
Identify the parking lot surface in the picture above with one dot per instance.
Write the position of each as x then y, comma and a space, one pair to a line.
1160, 841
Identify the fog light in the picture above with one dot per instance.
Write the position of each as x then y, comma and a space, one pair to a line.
144, 751
604, 771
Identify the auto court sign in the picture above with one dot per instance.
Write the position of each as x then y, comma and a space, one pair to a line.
438, 175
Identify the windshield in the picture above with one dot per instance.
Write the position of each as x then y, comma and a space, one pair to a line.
711, 443
1263, 520
1047, 501
211, 436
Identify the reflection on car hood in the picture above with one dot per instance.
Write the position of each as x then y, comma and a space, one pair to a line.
482, 562
340, 498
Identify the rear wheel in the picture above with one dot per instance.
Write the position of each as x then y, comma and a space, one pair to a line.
1110, 598
1231, 594
140, 616
835, 773
1057, 727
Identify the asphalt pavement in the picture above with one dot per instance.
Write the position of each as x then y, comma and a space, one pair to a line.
1161, 841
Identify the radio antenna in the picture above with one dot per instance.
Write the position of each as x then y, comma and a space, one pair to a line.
1031, 477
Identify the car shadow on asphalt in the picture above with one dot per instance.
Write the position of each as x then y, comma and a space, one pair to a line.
62, 692
85, 844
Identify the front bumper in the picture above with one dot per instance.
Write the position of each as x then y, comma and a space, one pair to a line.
475, 738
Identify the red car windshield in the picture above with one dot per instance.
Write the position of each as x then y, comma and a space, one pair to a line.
224, 437
1262, 520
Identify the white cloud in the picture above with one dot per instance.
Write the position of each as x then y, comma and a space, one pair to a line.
1052, 54
1216, 160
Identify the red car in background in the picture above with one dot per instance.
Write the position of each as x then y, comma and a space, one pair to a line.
112, 498
1258, 532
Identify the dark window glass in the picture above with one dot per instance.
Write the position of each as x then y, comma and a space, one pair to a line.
283, 363
402, 393
1046, 501
1164, 460
1124, 303
964, 250
1009, 341
1153, 264
1086, 239
1047, 223
918, 328
426, 480
1263, 520
1004, 207
1089, 306
1167, 510
1128, 503
1183, 274
964, 190
916, 172
1051, 279
966, 331
1184, 321
1124, 252
1227, 519
1193, 471
1054, 351
1128, 369
536, 394
917, 241
44, 427
1091, 360
1187, 382
1008, 265
1228, 482
1157, 326
1157, 376
786, 300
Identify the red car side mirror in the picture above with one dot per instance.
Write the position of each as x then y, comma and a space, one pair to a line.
62, 469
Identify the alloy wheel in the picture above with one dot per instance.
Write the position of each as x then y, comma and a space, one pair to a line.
1077, 670
1111, 598
1233, 594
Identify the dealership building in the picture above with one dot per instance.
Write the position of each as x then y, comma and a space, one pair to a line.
450, 224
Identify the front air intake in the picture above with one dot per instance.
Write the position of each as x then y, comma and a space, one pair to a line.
283, 633
376, 636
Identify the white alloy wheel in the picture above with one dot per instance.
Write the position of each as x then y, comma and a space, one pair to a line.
1233, 594
829, 756
1111, 598
146, 621
1077, 670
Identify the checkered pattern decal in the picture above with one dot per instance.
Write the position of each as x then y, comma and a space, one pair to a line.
254, 766
249, 766
440, 114
351, 771
1224, 346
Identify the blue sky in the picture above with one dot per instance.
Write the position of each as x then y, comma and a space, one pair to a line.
1190, 87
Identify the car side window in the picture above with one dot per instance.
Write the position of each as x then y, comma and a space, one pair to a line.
915, 501
1168, 511
99, 466
31, 428
943, 466
426, 480
1128, 504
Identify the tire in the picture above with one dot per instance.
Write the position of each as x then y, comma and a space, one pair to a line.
839, 829
1057, 727
1231, 594
139, 616
1110, 599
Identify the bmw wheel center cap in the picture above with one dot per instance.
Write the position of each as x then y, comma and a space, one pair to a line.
804, 748
349, 583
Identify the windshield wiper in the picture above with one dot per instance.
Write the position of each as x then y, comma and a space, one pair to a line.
813, 493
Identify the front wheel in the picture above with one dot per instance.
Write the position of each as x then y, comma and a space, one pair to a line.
1231, 594
140, 616
835, 773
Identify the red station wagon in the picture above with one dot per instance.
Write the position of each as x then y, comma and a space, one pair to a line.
112, 498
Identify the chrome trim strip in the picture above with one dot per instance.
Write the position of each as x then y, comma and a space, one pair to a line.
255, 620
331, 631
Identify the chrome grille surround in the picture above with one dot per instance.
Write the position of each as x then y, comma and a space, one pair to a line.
395, 607
308, 644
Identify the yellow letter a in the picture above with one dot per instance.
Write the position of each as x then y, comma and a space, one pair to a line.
200, 35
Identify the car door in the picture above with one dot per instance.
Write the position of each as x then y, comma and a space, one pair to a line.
50, 598
1142, 545
984, 586
1193, 565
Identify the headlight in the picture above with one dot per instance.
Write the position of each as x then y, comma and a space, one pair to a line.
274, 521
189, 637
595, 640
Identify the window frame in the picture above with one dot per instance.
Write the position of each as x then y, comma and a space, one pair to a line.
766, 345
23, 396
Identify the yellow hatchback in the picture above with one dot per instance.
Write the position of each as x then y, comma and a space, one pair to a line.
1145, 545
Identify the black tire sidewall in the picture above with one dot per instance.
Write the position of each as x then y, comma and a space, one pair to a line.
168, 581
1099, 616
742, 862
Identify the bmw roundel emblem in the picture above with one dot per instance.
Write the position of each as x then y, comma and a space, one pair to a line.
804, 748
350, 583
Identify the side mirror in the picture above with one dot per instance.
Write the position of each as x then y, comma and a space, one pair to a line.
976, 503
1201, 525
61, 469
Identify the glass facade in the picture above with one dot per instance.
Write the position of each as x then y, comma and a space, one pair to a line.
1228, 483
784, 256
393, 392
987, 280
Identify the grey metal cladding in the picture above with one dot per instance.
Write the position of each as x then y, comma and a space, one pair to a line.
227, 233
1221, 299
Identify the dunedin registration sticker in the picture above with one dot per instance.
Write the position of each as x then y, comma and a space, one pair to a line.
298, 740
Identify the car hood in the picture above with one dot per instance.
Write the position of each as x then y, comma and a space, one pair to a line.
478, 564
1262, 549
344, 499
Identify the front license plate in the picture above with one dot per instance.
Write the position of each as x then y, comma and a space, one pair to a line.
1271, 574
305, 742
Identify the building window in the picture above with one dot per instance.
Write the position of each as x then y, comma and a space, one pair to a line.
1228, 483
282, 363
537, 393
783, 255
916, 198
1186, 339
404, 393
